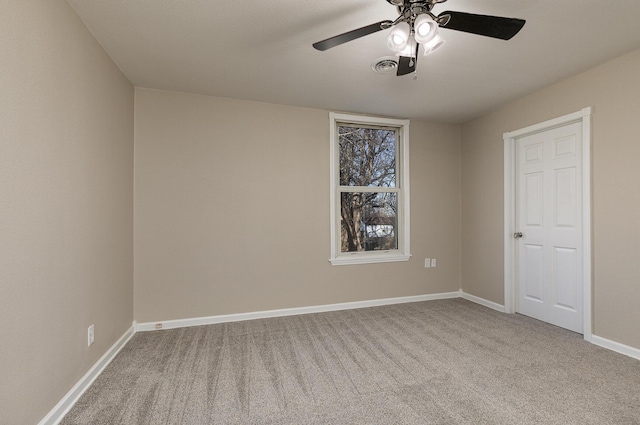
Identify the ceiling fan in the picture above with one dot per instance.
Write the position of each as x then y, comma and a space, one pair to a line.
417, 26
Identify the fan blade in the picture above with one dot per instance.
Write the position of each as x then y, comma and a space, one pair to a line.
490, 26
406, 64
351, 35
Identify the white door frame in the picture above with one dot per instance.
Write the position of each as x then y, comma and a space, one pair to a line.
510, 277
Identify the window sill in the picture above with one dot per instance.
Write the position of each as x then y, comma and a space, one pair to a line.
344, 260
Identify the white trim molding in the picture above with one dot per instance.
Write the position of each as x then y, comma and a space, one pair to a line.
210, 320
616, 346
583, 116
490, 304
66, 403
403, 252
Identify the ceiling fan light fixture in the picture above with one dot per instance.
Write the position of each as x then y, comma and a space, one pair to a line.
399, 36
409, 50
425, 28
433, 45
417, 26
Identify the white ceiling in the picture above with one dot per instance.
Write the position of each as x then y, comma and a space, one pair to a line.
261, 50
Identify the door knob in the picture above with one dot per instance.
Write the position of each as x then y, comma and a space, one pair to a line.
517, 235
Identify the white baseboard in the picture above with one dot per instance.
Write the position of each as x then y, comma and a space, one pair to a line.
482, 301
616, 346
62, 408
198, 321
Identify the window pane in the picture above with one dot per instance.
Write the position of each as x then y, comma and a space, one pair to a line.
369, 221
367, 156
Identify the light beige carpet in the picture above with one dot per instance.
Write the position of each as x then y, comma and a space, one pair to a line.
435, 362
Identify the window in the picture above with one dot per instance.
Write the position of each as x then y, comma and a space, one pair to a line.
369, 189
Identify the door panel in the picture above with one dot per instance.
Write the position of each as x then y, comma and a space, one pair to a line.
565, 146
534, 278
565, 279
533, 199
548, 202
566, 197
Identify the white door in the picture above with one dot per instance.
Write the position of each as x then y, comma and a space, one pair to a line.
549, 216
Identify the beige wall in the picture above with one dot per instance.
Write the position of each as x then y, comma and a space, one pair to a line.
613, 90
66, 173
232, 215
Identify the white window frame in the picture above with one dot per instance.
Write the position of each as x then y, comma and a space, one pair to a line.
402, 181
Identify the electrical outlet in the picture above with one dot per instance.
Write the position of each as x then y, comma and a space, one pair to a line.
427, 263
90, 336
433, 262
